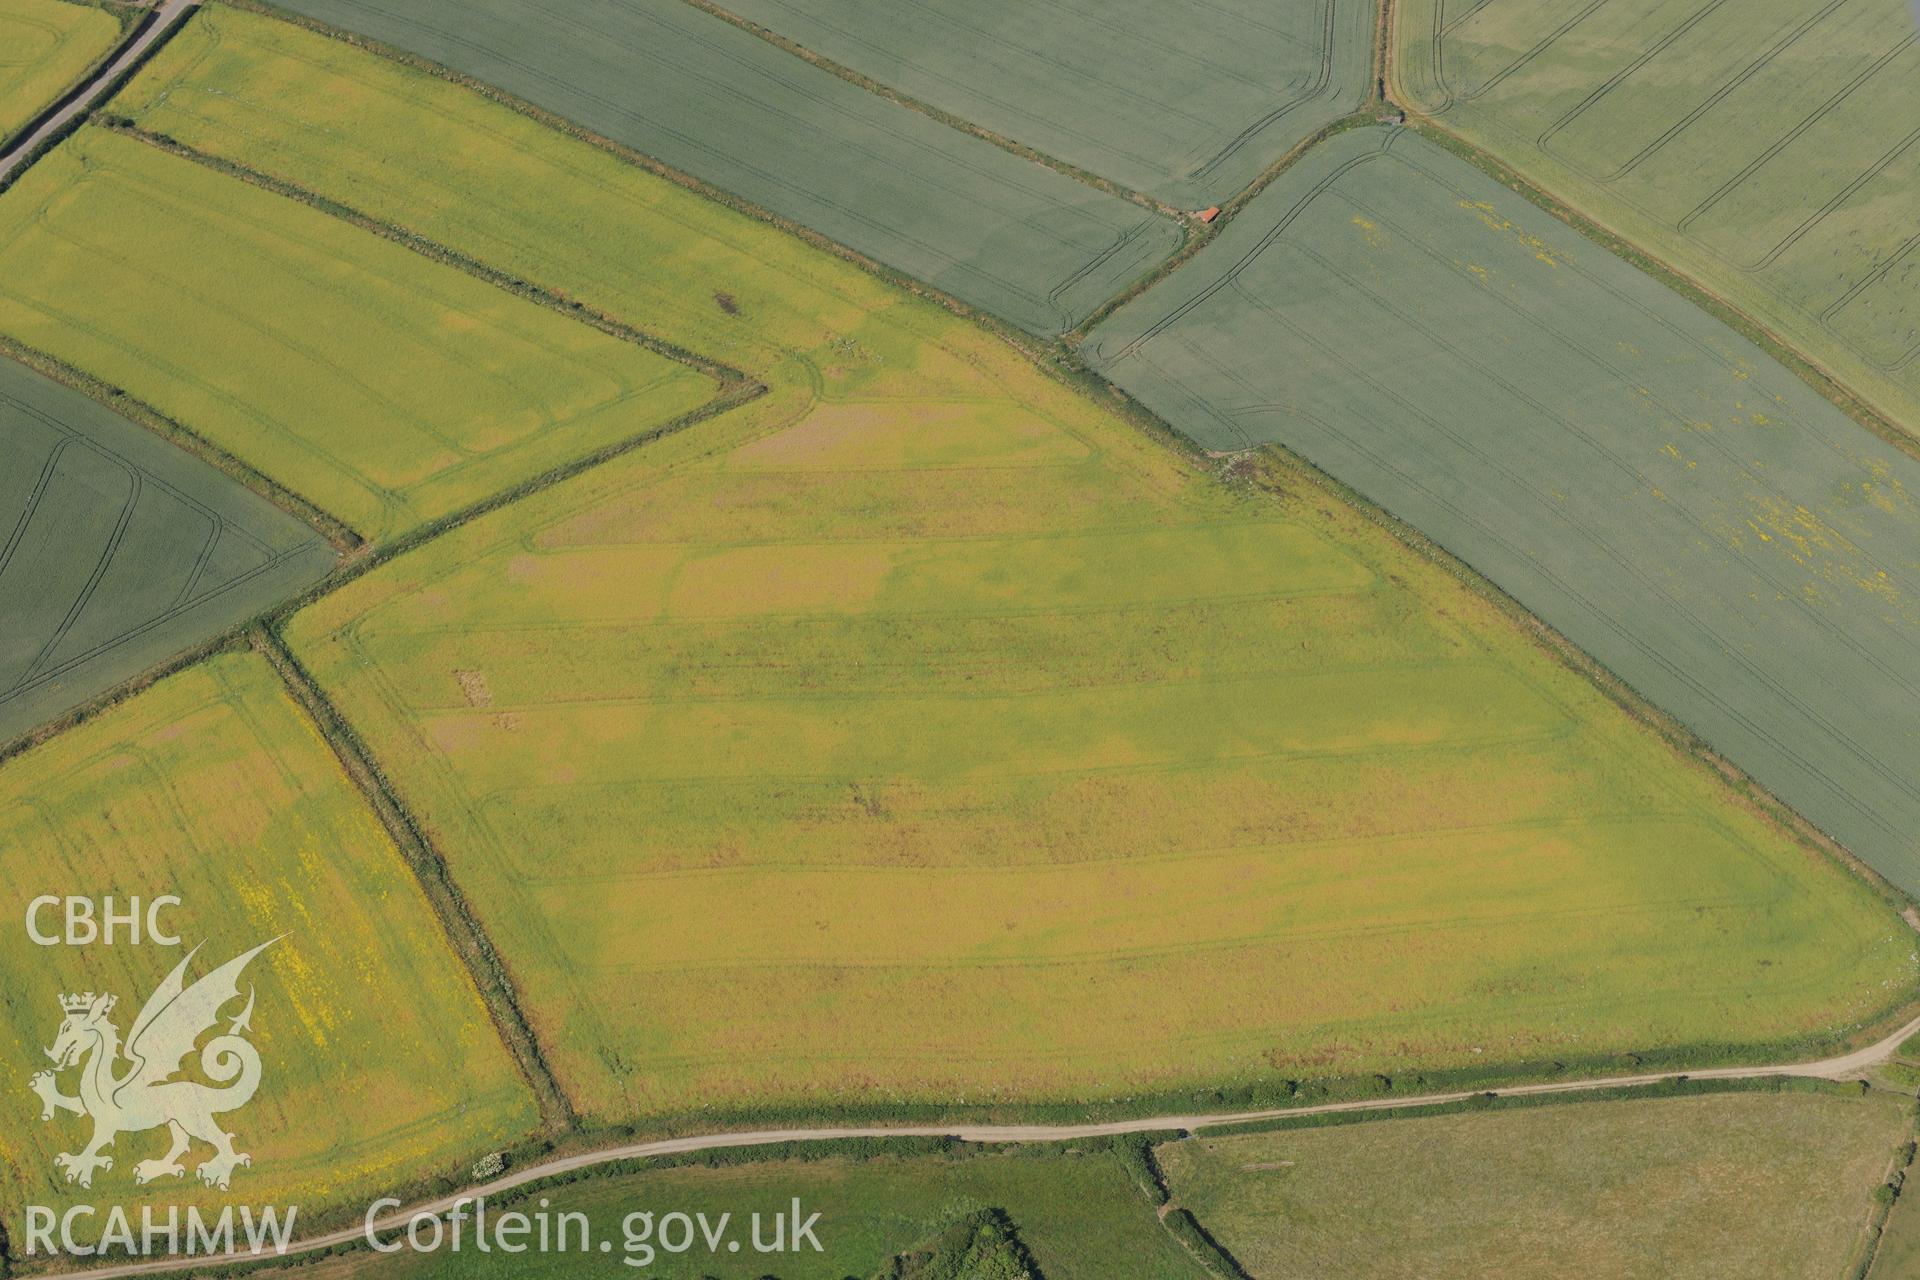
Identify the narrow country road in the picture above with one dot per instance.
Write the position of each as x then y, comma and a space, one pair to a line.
1846, 1066
169, 15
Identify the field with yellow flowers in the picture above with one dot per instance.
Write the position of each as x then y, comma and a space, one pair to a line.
378, 1063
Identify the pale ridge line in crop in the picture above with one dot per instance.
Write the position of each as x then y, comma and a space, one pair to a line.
1841, 1067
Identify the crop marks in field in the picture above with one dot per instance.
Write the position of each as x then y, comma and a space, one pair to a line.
45, 46
385, 387
116, 549
998, 231
926, 654
1767, 147
1686, 1188
379, 1061
951, 745
1629, 469
1188, 103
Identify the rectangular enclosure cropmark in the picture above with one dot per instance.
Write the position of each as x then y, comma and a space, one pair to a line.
921, 635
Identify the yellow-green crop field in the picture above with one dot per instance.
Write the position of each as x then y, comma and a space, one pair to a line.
500, 188
922, 731
1062, 752
385, 387
967, 746
379, 1063
46, 46
1679, 1188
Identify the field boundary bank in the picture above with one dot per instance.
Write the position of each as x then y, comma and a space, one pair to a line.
364, 559
488, 972
1862, 410
1203, 235
1837, 1071
99, 87
528, 290
131, 25
1378, 102
1049, 348
1855, 405
900, 98
1047, 355
1027, 344
332, 530
1867, 1249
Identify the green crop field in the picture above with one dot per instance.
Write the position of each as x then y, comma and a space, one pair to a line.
1766, 148
1628, 468
1079, 1215
45, 47
1721, 1185
1001, 232
117, 549
379, 1063
980, 683
384, 387
1188, 103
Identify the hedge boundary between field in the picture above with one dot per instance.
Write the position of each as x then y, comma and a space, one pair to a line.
1056, 358
491, 977
1132, 1151
133, 20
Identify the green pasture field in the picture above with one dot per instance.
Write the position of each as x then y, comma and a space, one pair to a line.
1629, 469
1078, 1214
976, 683
45, 47
385, 387
1898, 1257
1764, 148
1188, 103
695, 92
1720, 1185
379, 1062
117, 549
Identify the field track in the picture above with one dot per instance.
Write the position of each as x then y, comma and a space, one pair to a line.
1843, 1067
168, 17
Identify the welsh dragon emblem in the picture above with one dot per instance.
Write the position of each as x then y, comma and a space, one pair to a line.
144, 1094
